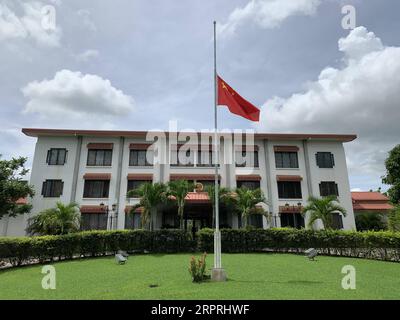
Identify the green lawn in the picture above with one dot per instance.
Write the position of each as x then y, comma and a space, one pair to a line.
251, 276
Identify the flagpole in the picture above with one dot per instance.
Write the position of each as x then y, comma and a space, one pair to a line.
218, 274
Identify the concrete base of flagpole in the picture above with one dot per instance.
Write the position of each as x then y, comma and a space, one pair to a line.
218, 274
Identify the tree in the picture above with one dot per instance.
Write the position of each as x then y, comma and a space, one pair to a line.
223, 193
324, 209
13, 187
151, 197
62, 219
179, 189
246, 200
370, 221
394, 219
392, 176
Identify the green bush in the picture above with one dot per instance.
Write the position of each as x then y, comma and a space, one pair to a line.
22, 250
382, 245
377, 245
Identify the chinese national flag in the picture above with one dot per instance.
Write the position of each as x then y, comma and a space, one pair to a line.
235, 103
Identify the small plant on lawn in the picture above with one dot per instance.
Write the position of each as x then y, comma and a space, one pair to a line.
197, 268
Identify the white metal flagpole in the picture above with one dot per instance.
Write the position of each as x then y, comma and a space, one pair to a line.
218, 274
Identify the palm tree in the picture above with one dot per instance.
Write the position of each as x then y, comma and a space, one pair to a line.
62, 219
324, 209
151, 197
246, 200
223, 194
179, 189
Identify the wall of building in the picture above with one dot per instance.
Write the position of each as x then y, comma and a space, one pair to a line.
311, 175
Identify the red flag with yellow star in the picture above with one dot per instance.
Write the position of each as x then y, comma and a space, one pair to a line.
235, 103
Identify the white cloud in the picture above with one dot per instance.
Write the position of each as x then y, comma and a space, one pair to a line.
86, 19
73, 94
267, 14
361, 97
29, 25
87, 55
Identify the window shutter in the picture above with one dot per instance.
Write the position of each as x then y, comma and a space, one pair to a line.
332, 159
62, 188
43, 187
336, 189
321, 189
48, 156
317, 157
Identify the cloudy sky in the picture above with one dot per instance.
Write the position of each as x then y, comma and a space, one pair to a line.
136, 65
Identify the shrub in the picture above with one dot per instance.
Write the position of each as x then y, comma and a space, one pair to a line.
370, 221
197, 269
383, 245
22, 250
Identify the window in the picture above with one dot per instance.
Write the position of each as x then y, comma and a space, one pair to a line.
133, 221
182, 159
170, 220
96, 188
256, 220
205, 158
286, 160
248, 184
56, 156
135, 184
292, 220
289, 189
337, 221
52, 188
325, 159
93, 221
139, 158
99, 157
328, 188
246, 159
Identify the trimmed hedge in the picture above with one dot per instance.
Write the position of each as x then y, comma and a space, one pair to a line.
381, 245
24, 250
372, 245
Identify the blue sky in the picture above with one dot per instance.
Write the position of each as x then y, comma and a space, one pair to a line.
136, 65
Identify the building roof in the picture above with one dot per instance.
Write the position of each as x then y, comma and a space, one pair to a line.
368, 196
38, 132
195, 197
370, 201
22, 201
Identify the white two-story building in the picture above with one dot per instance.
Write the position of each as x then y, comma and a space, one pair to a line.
96, 169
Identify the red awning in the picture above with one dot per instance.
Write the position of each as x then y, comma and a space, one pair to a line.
286, 148
288, 178
97, 176
140, 146
137, 210
290, 209
91, 209
248, 177
206, 177
100, 145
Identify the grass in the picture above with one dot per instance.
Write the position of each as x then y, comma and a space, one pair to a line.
251, 276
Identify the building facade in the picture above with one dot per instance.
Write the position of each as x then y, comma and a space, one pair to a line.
96, 169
